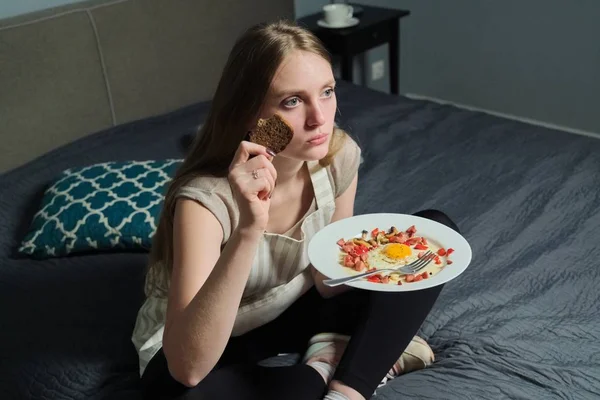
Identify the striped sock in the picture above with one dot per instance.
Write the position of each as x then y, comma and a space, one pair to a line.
335, 395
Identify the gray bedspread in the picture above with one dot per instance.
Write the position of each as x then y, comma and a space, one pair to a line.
522, 322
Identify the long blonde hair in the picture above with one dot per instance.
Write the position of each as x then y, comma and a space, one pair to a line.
236, 104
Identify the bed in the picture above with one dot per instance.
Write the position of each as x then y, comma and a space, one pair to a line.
521, 323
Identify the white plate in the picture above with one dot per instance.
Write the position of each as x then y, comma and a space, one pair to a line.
351, 22
323, 251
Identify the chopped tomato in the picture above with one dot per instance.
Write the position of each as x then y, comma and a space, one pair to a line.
374, 232
419, 246
424, 241
395, 239
437, 260
411, 231
409, 278
341, 242
360, 249
385, 279
441, 252
364, 256
376, 278
449, 251
448, 262
425, 275
418, 278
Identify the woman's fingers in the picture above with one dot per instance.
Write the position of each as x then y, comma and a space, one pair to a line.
246, 150
252, 170
262, 183
262, 162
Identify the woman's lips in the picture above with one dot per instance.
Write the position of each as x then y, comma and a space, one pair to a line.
317, 140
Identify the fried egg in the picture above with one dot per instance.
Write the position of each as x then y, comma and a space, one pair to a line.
390, 255
397, 251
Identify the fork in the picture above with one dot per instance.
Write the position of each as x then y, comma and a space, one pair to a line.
411, 268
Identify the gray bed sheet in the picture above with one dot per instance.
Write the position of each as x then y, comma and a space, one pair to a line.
522, 322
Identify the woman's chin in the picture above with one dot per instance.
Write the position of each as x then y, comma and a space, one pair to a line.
308, 153
316, 154
319, 152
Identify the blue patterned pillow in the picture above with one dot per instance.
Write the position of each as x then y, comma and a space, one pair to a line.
113, 205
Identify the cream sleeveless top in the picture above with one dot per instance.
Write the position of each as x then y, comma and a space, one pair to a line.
279, 273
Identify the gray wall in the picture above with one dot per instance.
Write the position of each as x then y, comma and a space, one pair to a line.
536, 59
11, 8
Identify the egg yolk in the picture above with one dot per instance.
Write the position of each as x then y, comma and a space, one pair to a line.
397, 251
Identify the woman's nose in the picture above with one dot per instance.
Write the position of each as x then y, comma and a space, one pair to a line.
315, 116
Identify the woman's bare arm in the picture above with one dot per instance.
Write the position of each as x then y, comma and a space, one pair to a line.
205, 291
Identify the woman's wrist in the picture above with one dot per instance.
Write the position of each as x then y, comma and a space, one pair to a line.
251, 234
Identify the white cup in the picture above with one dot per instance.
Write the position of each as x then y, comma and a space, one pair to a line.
337, 14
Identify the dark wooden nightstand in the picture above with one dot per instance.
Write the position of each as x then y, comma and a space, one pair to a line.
377, 26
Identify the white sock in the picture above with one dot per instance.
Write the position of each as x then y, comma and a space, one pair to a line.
326, 370
335, 395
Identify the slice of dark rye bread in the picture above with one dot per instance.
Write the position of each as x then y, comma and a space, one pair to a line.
274, 133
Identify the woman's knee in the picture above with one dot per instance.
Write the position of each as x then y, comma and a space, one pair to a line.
438, 216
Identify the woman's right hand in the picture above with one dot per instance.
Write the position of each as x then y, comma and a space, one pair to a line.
252, 178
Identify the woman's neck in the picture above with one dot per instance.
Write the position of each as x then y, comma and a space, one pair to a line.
289, 171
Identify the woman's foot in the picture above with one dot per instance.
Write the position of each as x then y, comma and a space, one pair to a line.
343, 392
325, 352
418, 355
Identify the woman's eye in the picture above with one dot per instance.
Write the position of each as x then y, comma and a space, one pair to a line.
293, 102
328, 92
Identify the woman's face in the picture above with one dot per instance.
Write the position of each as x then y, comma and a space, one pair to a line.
302, 92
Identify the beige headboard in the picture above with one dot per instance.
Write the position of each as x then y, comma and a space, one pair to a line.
71, 71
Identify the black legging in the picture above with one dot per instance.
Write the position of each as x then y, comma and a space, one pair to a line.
381, 325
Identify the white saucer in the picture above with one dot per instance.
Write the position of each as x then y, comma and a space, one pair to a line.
351, 22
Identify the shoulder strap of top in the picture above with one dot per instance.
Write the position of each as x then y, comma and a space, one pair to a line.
321, 185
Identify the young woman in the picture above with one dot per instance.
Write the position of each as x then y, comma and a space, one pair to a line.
229, 282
